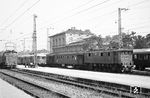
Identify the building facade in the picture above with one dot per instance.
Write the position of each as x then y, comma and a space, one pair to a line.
62, 42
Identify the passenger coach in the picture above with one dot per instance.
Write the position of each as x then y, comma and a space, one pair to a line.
141, 58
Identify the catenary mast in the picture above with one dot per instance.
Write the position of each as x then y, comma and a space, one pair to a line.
120, 27
34, 45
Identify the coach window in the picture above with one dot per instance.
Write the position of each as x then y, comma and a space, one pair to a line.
135, 56
75, 57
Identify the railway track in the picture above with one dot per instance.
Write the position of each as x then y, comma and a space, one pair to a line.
32, 88
61, 90
100, 87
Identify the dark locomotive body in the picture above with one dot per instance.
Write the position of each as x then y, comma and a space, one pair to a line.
8, 59
110, 60
141, 58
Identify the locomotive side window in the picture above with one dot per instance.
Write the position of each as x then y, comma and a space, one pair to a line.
108, 53
146, 57
101, 54
89, 54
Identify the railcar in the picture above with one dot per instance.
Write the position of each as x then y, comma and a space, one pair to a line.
110, 60
141, 58
8, 59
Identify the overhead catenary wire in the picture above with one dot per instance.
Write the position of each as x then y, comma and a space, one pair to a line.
138, 3
79, 12
21, 15
12, 14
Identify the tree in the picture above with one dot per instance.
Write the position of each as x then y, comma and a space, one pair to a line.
139, 42
128, 40
93, 43
147, 40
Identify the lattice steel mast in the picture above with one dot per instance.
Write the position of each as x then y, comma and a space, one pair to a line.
34, 45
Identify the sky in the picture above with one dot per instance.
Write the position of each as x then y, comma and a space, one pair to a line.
99, 16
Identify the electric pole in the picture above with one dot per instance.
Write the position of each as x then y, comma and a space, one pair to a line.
34, 45
119, 26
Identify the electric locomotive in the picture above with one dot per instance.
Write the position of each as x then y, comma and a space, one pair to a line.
8, 59
104, 60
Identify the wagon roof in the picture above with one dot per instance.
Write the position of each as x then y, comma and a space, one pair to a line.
65, 53
146, 50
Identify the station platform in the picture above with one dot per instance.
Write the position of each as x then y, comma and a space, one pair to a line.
9, 91
124, 79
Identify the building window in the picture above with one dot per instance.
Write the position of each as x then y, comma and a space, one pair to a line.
56, 42
63, 41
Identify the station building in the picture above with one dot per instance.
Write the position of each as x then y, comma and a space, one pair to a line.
70, 40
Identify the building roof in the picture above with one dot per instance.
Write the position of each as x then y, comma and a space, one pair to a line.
73, 30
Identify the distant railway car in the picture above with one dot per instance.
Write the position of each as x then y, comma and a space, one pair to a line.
8, 59
141, 58
25, 60
110, 60
28, 60
41, 59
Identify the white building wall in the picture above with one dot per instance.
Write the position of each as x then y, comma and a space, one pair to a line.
70, 38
